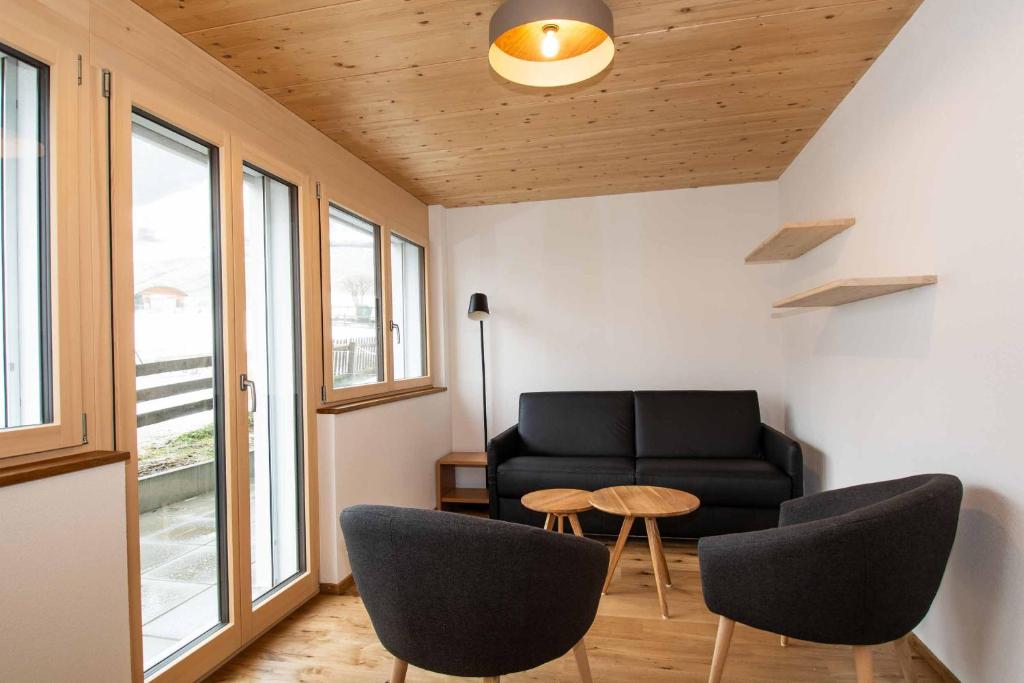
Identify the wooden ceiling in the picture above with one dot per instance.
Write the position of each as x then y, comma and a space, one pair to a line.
701, 92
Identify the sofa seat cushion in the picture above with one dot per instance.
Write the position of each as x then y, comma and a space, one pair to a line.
525, 473
736, 482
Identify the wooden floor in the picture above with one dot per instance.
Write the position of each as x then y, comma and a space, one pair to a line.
331, 639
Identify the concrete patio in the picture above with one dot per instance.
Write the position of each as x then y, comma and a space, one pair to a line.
179, 575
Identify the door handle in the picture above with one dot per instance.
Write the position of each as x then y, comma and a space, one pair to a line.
394, 326
248, 386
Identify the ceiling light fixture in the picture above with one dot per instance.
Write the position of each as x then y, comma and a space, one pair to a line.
551, 43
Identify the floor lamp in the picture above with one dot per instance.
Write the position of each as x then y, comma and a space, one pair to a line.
479, 310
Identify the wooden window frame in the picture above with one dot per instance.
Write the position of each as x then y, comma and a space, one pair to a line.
257, 616
246, 619
202, 654
330, 395
66, 218
427, 379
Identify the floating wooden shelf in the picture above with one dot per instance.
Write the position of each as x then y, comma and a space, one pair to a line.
854, 289
796, 239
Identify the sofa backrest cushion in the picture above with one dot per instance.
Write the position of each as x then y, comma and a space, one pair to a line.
591, 423
697, 424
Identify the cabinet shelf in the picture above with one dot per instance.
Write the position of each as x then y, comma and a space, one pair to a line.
793, 240
849, 290
465, 495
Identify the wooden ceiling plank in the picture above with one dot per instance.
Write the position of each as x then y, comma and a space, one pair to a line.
188, 17
607, 188
573, 153
613, 124
702, 99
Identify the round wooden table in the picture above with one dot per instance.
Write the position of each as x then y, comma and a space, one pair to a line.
650, 503
558, 505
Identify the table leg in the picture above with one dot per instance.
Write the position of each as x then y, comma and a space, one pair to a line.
627, 524
656, 561
561, 524
549, 522
575, 522
661, 554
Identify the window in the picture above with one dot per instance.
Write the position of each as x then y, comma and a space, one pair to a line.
408, 308
25, 345
179, 370
274, 378
375, 318
357, 342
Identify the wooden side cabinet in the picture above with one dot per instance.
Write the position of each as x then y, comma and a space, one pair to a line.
450, 497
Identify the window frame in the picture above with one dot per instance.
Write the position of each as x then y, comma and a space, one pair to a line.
361, 390
255, 617
427, 378
220, 256
389, 385
298, 336
62, 214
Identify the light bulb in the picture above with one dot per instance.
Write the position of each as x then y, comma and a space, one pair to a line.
549, 47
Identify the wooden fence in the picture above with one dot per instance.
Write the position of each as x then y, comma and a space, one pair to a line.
173, 389
355, 356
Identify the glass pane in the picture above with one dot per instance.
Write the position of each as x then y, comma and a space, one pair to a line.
409, 325
178, 368
272, 352
355, 300
25, 398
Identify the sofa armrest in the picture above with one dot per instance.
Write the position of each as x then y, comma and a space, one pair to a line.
502, 447
786, 454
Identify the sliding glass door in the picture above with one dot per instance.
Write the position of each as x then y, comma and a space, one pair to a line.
179, 387
211, 388
273, 381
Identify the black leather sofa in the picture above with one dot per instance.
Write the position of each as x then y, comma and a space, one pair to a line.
710, 443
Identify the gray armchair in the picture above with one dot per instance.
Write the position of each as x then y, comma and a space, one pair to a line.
857, 566
463, 596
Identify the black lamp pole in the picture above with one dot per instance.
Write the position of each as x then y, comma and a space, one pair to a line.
479, 310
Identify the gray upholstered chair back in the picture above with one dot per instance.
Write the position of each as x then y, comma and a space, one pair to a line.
464, 596
854, 566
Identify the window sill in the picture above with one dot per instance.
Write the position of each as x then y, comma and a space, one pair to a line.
340, 407
19, 474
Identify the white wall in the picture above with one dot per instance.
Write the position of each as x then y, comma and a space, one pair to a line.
384, 456
928, 153
64, 569
637, 291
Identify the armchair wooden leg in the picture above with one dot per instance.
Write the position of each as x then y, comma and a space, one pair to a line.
865, 664
784, 641
582, 663
725, 629
627, 524
398, 671
905, 658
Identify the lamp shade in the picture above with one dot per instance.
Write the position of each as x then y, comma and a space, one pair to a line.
551, 43
478, 308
